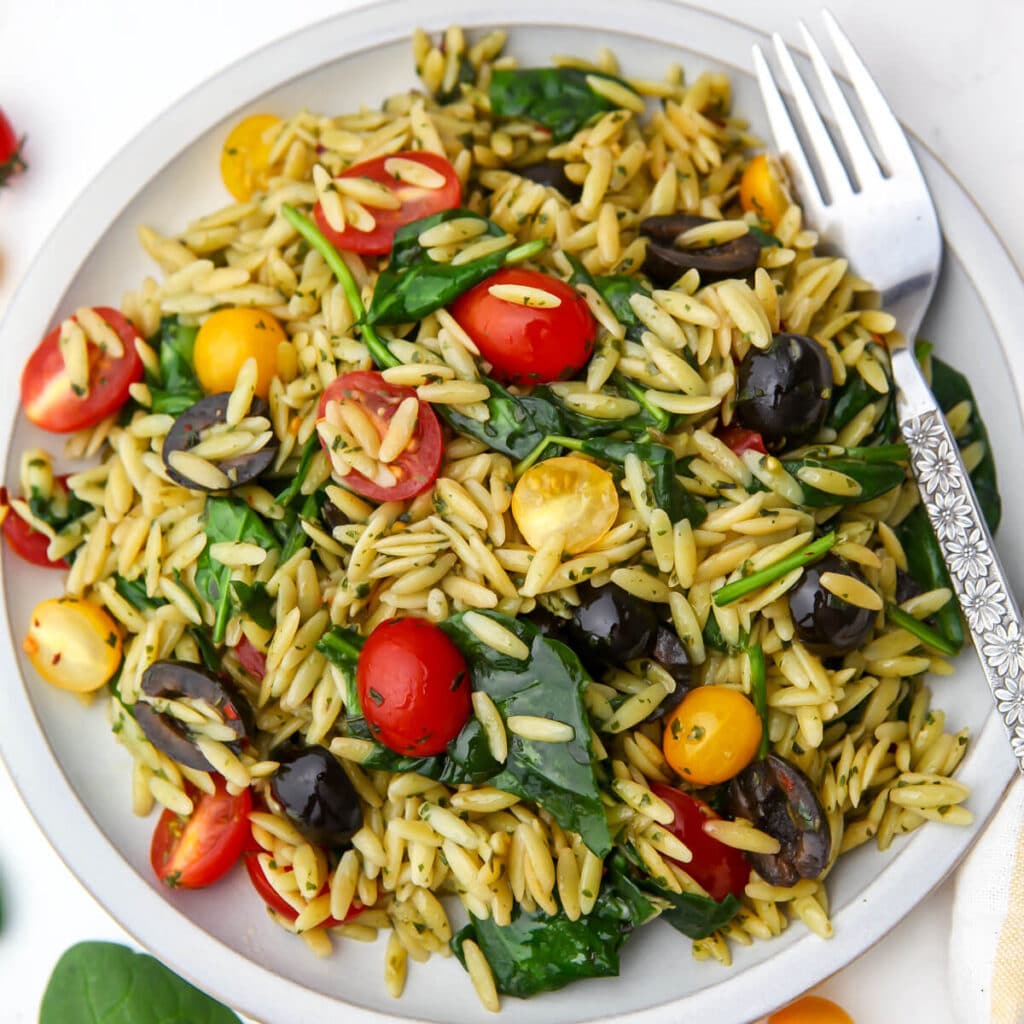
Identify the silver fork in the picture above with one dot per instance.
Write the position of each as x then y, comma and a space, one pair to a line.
884, 222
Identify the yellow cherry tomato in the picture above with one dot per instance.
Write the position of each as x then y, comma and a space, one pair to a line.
73, 644
811, 1010
568, 495
229, 337
762, 191
245, 158
712, 735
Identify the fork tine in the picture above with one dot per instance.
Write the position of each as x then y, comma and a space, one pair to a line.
863, 160
786, 139
891, 139
828, 159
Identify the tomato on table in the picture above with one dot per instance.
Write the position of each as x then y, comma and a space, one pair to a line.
10, 150
416, 467
46, 391
245, 158
413, 686
227, 338
720, 869
567, 495
712, 735
189, 852
273, 899
73, 643
811, 1010
741, 440
417, 201
549, 338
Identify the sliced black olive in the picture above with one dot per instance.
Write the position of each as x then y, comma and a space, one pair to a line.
551, 173
669, 652
208, 412
784, 390
173, 679
332, 516
779, 799
315, 793
906, 586
610, 625
827, 624
665, 263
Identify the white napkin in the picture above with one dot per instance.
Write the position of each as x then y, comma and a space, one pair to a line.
986, 942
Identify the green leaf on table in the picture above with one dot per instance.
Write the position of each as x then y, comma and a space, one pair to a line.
177, 388
559, 99
106, 983
549, 683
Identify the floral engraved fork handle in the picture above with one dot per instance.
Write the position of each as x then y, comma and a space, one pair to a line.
979, 581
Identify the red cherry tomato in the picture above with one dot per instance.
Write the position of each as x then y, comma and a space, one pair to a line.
413, 686
529, 344
253, 661
25, 542
720, 869
46, 389
416, 468
273, 899
741, 440
10, 150
194, 851
417, 201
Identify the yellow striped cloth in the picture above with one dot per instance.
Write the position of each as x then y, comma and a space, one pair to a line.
986, 943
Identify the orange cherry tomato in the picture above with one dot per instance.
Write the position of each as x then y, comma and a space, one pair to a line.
227, 339
762, 191
245, 158
712, 735
811, 1010
73, 643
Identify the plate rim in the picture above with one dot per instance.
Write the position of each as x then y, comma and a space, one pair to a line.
66, 265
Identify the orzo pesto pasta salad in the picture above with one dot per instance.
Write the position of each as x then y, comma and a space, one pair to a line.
501, 503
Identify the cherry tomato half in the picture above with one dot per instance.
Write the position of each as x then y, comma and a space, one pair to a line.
273, 899
720, 869
811, 1010
528, 344
194, 851
73, 643
24, 541
245, 158
250, 658
712, 735
416, 467
10, 150
417, 201
413, 686
46, 390
762, 191
741, 440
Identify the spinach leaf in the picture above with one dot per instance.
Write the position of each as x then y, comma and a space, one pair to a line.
557, 98
177, 388
227, 519
414, 284
294, 488
134, 592
536, 953
875, 478
548, 684
289, 529
255, 602
854, 396
713, 638
106, 983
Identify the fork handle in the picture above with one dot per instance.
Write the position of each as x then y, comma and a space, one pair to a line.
990, 610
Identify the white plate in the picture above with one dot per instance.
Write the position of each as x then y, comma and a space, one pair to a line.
75, 778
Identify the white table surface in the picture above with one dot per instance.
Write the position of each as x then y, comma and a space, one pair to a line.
83, 78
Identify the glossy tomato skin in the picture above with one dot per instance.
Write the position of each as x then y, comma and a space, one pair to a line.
195, 851
741, 440
720, 869
250, 658
27, 543
528, 344
46, 391
417, 202
10, 150
413, 687
418, 465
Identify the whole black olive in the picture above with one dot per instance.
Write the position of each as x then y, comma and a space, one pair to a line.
188, 428
779, 799
784, 390
551, 173
610, 625
827, 624
315, 793
665, 263
550, 625
173, 679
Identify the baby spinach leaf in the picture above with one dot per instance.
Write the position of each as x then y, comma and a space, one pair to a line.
548, 684
537, 953
255, 602
713, 638
106, 983
177, 387
134, 592
875, 479
294, 488
414, 284
854, 396
557, 98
